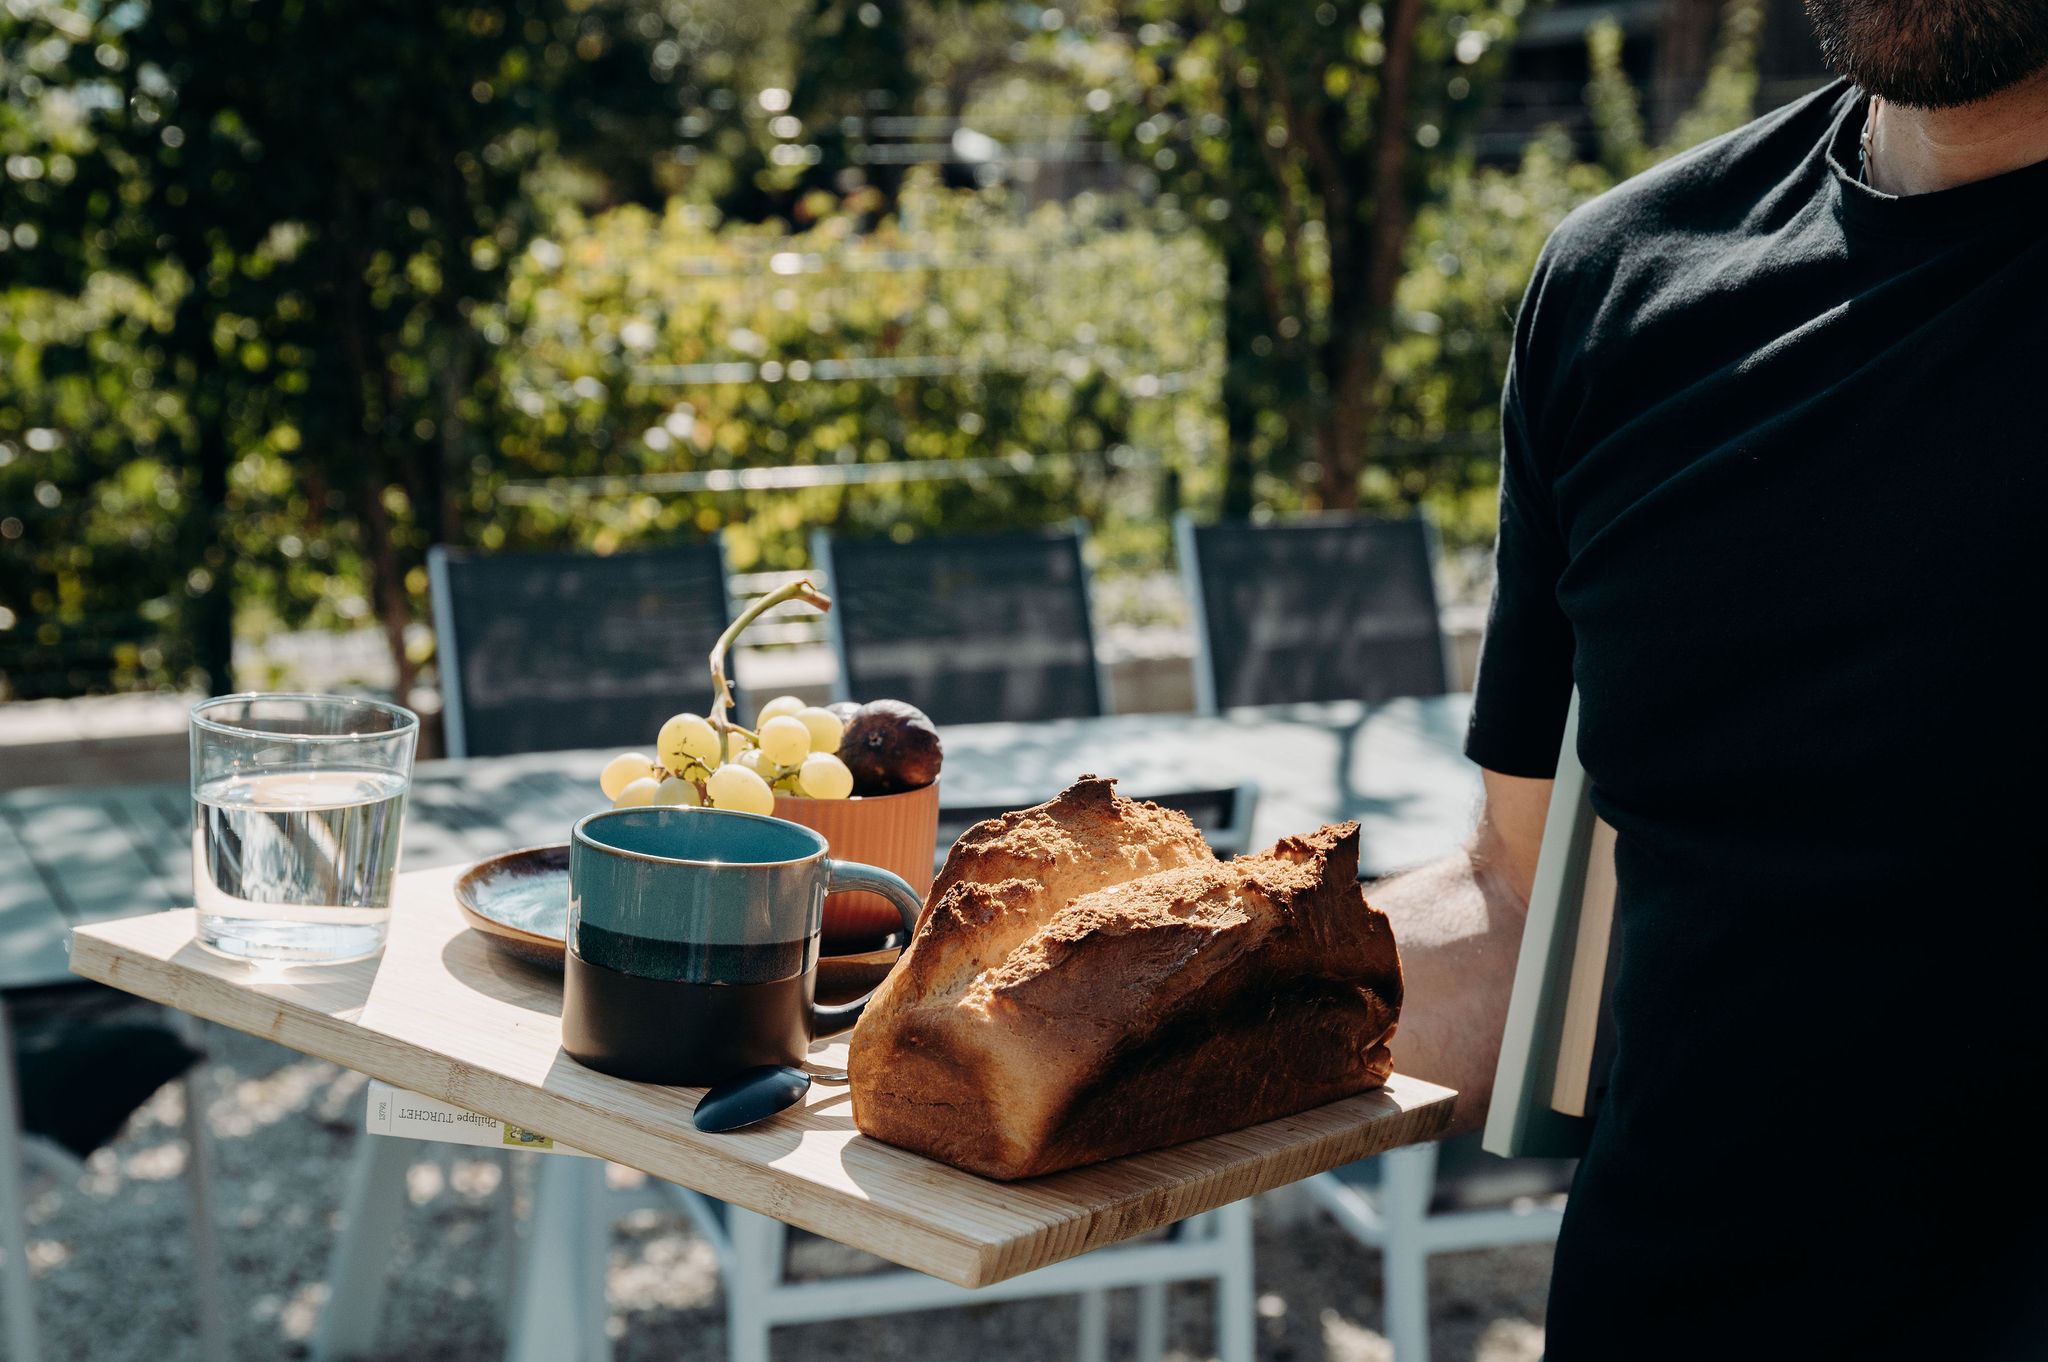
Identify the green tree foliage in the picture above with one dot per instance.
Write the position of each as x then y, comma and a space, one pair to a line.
1470, 261
1725, 102
290, 290
93, 578
328, 190
1062, 359
1303, 139
852, 63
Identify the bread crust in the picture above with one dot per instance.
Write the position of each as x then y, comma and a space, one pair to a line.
1089, 981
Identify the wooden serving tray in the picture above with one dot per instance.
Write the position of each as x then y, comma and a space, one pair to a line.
444, 1014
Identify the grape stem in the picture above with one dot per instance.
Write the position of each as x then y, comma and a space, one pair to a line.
721, 689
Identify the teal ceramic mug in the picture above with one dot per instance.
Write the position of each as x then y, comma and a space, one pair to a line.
693, 942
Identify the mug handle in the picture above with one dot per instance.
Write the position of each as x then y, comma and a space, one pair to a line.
830, 1021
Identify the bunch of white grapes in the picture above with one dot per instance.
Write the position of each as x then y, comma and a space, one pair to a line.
794, 748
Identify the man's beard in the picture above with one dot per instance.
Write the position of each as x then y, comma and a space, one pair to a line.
1933, 54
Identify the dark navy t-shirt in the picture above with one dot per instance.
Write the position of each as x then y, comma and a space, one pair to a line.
1774, 490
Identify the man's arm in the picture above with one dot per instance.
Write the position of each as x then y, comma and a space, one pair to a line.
1458, 922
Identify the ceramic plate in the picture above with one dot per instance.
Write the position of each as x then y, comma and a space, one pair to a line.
520, 902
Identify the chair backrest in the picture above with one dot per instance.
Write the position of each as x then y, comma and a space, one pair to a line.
1325, 608
541, 652
1224, 816
968, 630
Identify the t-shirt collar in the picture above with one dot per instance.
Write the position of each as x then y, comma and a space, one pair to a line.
2016, 198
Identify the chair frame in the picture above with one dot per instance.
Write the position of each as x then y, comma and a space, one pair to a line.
1188, 550
559, 1317
17, 1286
1077, 529
1401, 1227
17, 1283
554, 1314
1187, 547
447, 653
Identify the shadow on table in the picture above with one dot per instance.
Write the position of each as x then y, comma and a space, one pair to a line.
771, 1140
332, 989
489, 971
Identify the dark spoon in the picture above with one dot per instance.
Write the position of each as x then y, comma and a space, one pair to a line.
754, 1095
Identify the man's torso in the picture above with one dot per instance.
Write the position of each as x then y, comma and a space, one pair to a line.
1795, 452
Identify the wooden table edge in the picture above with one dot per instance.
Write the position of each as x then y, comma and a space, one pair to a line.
1426, 1113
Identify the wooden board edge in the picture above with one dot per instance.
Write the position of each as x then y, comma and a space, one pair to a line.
961, 1259
1415, 1123
928, 1249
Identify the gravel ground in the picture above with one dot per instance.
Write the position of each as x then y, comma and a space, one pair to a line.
109, 1252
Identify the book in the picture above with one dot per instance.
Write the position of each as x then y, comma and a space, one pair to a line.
1586, 1034
410, 1115
1557, 1047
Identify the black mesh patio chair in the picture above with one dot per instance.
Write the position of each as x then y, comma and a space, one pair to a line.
1322, 608
968, 630
544, 652
1224, 816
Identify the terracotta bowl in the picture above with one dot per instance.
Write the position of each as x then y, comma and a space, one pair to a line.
898, 832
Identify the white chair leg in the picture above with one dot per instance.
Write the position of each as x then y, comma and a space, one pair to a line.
593, 1260
1151, 1342
508, 1231
200, 1177
17, 1287
755, 1272
1235, 1318
356, 1272
1287, 1207
1092, 1342
1408, 1180
552, 1309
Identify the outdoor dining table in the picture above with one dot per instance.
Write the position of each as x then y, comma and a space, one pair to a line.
442, 1014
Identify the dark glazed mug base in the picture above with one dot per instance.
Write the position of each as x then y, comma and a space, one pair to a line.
691, 1035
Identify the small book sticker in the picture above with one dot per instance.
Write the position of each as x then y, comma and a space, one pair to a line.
394, 1111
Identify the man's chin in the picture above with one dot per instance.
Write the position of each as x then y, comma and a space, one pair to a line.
1933, 54
1951, 95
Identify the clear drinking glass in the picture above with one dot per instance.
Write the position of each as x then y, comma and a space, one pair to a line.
296, 805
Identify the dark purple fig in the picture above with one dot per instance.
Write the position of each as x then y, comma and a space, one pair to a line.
890, 747
844, 710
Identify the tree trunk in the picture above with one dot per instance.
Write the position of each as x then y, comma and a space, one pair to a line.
1363, 283
212, 612
1237, 461
1685, 49
387, 577
368, 373
1244, 318
455, 377
1345, 433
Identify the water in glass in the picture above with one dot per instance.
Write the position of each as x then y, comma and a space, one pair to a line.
297, 865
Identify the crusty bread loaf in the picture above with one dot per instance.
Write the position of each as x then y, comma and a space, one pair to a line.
1087, 837
1089, 981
